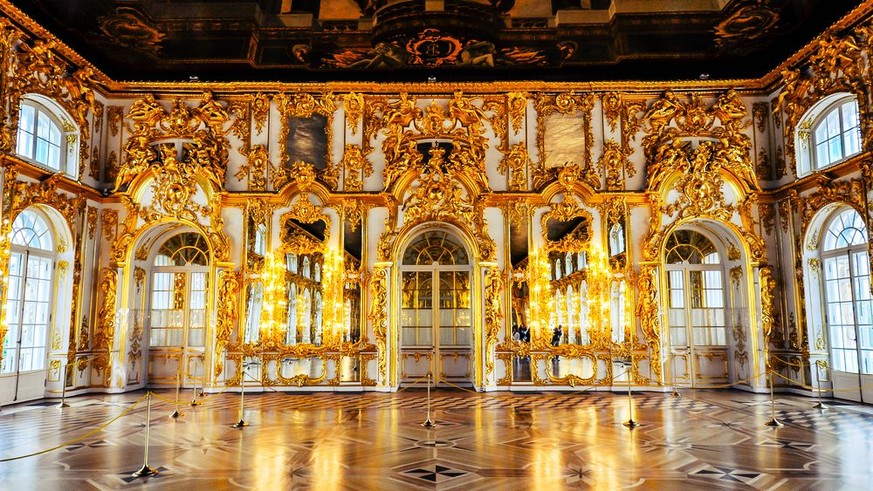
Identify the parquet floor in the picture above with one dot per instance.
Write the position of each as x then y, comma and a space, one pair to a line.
702, 440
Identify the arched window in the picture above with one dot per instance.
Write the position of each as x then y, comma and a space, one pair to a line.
828, 134
847, 293
29, 294
435, 247
179, 292
836, 134
696, 291
45, 136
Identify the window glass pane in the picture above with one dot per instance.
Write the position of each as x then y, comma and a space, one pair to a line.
833, 123
54, 157
821, 154
24, 147
41, 151
26, 118
835, 149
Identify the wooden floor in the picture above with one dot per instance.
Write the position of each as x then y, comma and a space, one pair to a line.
701, 440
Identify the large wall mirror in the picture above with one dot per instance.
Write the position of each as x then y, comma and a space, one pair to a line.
303, 253
256, 233
567, 230
519, 296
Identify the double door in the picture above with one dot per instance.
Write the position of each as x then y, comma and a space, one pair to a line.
28, 317
177, 326
436, 332
698, 335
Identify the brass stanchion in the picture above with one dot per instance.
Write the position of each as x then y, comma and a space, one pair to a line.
819, 405
175, 414
675, 392
428, 423
630, 423
63, 403
194, 398
242, 398
145, 470
775, 423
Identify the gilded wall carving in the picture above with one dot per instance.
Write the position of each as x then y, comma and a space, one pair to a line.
168, 154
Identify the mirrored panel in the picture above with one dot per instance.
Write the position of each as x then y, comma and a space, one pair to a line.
302, 258
567, 235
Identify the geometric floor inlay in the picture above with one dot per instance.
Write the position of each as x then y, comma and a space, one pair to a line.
435, 473
706, 439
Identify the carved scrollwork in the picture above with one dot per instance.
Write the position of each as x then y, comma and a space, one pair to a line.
356, 168
515, 163
378, 316
494, 287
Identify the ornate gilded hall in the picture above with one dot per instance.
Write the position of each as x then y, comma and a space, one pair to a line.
326, 199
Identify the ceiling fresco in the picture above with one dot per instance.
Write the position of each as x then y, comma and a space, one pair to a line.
417, 40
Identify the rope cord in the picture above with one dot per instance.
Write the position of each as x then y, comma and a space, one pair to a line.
413, 384
80, 438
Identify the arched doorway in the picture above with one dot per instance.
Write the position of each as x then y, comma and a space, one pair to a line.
178, 308
29, 305
848, 304
696, 314
436, 330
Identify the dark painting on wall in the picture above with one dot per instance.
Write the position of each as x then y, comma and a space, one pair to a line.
307, 140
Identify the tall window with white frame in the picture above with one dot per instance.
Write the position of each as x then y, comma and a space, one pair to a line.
29, 296
179, 296
695, 299
40, 136
836, 133
849, 315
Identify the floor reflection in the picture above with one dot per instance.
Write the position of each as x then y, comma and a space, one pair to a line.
702, 440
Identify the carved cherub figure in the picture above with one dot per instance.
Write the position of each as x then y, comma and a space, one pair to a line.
663, 110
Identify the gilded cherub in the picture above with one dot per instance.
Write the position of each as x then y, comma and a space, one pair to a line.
145, 113
663, 110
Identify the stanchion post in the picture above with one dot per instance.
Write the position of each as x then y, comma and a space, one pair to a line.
194, 398
775, 423
242, 397
675, 392
145, 470
63, 403
175, 414
819, 404
428, 423
630, 423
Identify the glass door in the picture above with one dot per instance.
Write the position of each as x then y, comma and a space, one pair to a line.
436, 337
436, 333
